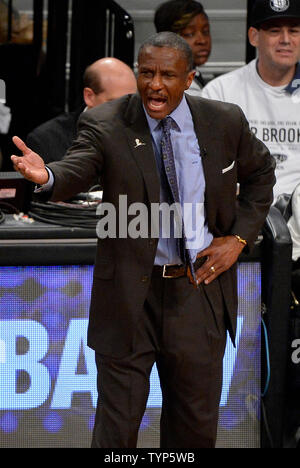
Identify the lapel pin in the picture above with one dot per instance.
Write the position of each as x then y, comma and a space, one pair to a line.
139, 143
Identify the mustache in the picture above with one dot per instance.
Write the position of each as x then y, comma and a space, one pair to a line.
156, 96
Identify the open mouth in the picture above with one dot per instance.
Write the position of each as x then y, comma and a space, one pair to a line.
156, 103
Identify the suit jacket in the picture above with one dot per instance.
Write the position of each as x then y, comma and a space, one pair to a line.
106, 144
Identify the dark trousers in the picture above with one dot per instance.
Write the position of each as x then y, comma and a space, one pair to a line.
183, 330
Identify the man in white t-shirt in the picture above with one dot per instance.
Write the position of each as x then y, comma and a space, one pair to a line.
268, 88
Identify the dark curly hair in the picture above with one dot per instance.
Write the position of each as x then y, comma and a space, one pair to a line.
175, 15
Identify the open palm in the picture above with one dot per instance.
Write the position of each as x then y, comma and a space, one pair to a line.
30, 165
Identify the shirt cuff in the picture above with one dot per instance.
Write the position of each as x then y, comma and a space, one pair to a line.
48, 186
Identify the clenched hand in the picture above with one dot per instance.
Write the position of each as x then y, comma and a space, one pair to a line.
222, 253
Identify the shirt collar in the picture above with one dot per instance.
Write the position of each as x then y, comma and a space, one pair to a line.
178, 115
293, 86
295, 83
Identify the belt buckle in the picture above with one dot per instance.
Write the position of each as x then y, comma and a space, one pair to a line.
164, 275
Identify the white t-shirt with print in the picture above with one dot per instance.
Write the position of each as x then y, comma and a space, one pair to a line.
273, 115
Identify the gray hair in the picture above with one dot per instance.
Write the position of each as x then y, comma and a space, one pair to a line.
172, 41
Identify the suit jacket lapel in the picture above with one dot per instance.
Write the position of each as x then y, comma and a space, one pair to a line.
212, 163
140, 143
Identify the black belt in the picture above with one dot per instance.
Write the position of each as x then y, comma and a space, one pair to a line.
175, 271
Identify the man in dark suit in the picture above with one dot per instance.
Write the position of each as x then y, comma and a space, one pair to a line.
155, 299
104, 80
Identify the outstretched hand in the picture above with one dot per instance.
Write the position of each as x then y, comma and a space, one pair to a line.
30, 165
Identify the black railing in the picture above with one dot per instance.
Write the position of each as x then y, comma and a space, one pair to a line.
276, 296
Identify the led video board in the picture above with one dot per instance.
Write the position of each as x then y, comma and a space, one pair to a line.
48, 376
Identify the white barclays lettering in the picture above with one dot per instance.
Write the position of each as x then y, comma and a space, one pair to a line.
68, 381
